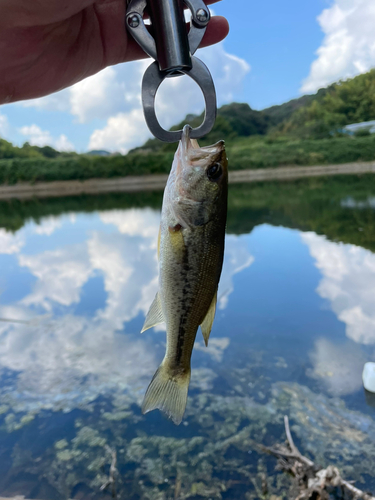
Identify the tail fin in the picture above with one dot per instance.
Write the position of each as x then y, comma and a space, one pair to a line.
168, 393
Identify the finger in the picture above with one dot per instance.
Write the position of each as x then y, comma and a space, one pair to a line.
207, 2
216, 31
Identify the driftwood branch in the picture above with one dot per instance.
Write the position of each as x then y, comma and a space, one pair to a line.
313, 482
111, 481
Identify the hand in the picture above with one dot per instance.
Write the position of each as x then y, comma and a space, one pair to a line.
47, 45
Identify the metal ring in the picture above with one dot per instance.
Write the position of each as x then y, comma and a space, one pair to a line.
152, 79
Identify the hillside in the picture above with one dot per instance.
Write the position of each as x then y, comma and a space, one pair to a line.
350, 101
304, 131
316, 116
235, 121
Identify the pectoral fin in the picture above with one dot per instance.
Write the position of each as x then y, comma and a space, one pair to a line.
155, 314
206, 325
177, 243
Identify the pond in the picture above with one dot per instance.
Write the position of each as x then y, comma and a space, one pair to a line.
294, 326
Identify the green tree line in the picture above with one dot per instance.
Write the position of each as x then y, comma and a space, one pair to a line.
9, 151
304, 131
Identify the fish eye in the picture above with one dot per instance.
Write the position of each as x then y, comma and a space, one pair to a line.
214, 172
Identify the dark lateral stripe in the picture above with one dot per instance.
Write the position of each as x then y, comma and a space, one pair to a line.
185, 309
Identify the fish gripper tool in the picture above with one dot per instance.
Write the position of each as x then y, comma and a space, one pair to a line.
172, 46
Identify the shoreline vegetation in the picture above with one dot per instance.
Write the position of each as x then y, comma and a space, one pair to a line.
156, 182
303, 132
253, 153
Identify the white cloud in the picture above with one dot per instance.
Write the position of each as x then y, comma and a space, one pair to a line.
38, 137
4, 126
122, 132
348, 282
114, 89
90, 98
348, 47
62, 143
59, 101
228, 71
114, 96
176, 98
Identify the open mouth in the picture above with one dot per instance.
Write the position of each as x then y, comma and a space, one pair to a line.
192, 148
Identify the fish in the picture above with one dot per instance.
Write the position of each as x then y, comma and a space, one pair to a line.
190, 254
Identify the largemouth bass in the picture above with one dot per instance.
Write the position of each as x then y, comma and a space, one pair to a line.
191, 250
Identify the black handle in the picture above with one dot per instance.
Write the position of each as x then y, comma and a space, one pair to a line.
169, 30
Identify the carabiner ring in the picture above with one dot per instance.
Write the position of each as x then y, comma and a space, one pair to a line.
173, 50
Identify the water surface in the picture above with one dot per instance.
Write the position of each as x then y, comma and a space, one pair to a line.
294, 326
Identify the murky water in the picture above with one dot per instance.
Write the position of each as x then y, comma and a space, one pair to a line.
294, 326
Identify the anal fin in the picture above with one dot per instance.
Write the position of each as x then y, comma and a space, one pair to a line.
206, 324
155, 314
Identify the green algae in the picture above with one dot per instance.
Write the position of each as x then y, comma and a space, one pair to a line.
217, 456
59, 445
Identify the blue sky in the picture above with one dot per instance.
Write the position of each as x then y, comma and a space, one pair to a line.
279, 40
275, 51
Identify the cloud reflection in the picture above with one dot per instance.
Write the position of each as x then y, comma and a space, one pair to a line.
61, 274
62, 358
48, 225
348, 282
10, 243
71, 360
236, 259
338, 367
129, 268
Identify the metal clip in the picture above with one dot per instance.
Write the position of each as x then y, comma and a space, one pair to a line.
172, 48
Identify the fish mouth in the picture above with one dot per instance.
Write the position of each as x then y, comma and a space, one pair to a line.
191, 149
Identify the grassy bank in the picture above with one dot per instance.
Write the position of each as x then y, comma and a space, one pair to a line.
263, 153
243, 153
82, 167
